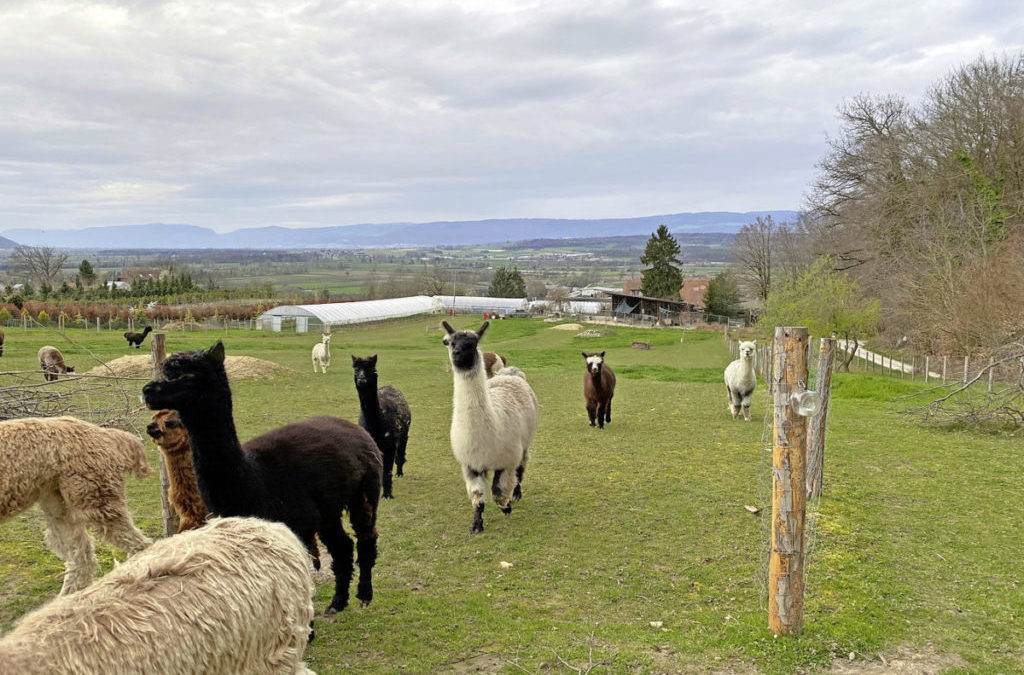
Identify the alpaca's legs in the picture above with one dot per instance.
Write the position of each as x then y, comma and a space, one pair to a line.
340, 546
476, 487
502, 487
308, 540
608, 409
602, 406
363, 516
734, 403
114, 524
400, 443
517, 492
388, 453
592, 411
746, 406
66, 536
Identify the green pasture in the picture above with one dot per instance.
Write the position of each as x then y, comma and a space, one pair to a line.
631, 551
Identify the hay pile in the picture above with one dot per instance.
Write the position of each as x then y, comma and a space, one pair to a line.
238, 368
567, 326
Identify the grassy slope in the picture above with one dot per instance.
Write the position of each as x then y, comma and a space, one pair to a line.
918, 541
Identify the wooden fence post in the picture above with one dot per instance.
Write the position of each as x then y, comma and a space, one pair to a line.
789, 488
991, 367
927, 369
966, 362
158, 343
945, 359
816, 427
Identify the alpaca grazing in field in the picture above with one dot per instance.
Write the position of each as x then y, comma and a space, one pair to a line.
52, 363
322, 354
1, 342
75, 471
598, 389
168, 431
493, 363
385, 414
235, 596
740, 380
493, 422
304, 474
137, 338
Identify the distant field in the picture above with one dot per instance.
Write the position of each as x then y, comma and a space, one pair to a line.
917, 548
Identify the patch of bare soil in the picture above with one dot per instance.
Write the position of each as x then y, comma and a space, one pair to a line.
567, 326
238, 367
902, 660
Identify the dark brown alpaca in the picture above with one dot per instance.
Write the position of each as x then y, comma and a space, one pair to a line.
137, 338
1, 342
170, 435
598, 389
493, 363
304, 474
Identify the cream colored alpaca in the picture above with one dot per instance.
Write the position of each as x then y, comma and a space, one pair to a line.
740, 380
322, 354
234, 596
75, 471
493, 422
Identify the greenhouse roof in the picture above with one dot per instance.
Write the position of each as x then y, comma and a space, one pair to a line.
339, 313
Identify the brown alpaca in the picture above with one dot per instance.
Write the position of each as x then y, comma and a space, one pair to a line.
493, 363
182, 490
598, 389
1, 342
52, 363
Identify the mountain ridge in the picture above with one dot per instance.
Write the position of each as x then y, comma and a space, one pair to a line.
382, 235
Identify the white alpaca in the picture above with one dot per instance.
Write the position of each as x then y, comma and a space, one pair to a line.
493, 421
740, 380
234, 596
75, 471
322, 354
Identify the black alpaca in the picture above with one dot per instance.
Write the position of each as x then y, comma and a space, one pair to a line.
137, 338
385, 414
303, 474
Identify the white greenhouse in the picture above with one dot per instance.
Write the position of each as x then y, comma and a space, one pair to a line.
324, 317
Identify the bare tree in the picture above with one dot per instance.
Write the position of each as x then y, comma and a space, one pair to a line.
754, 250
40, 264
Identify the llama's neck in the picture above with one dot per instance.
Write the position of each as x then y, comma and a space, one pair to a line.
226, 480
747, 364
369, 404
597, 379
471, 400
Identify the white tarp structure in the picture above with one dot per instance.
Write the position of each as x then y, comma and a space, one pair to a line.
574, 307
476, 304
342, 313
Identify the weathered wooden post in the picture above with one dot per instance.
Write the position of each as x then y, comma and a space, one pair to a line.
945, 360
789, 496
966, 365
170, 518
991, 368
816, 427
927, 368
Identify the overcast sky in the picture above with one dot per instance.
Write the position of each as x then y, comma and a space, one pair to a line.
251, 113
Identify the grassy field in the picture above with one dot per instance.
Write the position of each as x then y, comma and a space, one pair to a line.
917, 548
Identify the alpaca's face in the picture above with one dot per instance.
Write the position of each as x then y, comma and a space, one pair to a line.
168, 430
594, 362
747, 349
463, 346
365, 371
190, 380
326, 339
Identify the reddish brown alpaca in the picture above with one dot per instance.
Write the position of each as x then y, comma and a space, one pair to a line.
598, 389
182, 490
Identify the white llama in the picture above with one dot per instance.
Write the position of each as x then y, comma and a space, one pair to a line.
322, 353
493, 421
740, 380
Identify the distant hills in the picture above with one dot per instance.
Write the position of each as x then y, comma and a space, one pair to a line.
7, 243
442, 233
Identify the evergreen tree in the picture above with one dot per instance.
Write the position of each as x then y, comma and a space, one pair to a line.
507, 283
722, 296
663, 276
86, 273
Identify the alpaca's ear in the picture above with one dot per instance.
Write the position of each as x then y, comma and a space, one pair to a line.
480, 333
448, 329
584, 355
353, 359
602, 355
216, 352
373, 360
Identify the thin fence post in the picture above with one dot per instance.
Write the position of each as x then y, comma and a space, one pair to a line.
944, 361
991, 368
816, 427
170, 517
966, 362
927, 369
789, 488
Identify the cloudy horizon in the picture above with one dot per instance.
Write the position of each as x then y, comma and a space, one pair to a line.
315, 114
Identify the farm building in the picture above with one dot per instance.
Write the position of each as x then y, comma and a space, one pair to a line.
469, 304
639, 307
